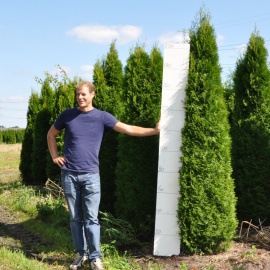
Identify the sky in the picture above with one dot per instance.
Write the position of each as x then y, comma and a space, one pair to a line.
37, 36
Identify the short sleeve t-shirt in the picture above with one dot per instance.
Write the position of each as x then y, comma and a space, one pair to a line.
83, 136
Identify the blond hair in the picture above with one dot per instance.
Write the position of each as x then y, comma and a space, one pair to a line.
90, 86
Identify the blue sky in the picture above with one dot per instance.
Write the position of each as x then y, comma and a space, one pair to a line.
36, 36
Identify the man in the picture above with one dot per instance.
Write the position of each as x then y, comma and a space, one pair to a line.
79, 165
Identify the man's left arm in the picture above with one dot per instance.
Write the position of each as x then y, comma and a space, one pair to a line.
136, 130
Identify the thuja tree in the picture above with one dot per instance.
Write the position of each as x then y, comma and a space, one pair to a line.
64, 98
40, 130
136, 171
19, 135
113, 69
108, 80
27, 143
9, 136
206, 210
251, 132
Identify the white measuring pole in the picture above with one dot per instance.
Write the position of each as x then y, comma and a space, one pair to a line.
175, 73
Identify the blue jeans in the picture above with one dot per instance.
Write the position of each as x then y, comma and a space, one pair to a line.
82, 193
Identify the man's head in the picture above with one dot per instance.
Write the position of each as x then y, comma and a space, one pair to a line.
85, 92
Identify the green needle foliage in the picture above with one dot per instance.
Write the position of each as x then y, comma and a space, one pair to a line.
40, 130
207, 203
136, 171
11, 136
27, 144
251, 132
108, 79
64, 98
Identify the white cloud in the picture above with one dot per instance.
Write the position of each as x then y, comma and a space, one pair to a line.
174, 37
87, 68
219, 39
105, 34
14, 99
87, 72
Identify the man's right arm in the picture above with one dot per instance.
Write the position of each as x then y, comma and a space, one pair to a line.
51, 139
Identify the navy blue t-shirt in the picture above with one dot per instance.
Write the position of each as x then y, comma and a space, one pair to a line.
83, 135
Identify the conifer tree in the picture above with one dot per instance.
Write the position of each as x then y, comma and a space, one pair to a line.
10, 136
251, 132
136, 171
108, 80
27, 144
40, 130
19, 135
100, 84
64, 98
207, 200
113, 69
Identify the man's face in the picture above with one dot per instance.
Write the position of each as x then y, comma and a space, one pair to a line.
84, 98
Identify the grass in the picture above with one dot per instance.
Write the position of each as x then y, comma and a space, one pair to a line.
23, 202
15, 259
9, 163
33, 209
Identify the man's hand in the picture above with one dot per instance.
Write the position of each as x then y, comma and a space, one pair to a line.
60, 161
157, 128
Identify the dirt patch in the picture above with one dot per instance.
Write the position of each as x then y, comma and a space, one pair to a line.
241, 256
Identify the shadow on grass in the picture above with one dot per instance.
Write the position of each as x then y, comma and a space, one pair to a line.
15, 236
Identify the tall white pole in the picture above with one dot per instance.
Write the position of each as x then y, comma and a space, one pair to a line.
175, 73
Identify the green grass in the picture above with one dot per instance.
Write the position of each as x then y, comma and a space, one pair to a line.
9, 163
16, 259
52, 228
23, 201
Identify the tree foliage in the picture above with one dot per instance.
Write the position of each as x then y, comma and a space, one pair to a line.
108, 80
64, 98
251, 132
27, 144
207, 202
40, 130
11, 135
136, 171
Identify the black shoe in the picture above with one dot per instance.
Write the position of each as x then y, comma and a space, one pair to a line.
78, 262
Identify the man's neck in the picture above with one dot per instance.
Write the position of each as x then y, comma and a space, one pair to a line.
86, 109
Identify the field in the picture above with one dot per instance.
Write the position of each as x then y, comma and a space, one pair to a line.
26, 243
9, 162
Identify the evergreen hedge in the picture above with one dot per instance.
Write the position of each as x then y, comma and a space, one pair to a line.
108, 80
64, 98
136, 170
11, 135
251, 132
207, 200
40, 130
27, 144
